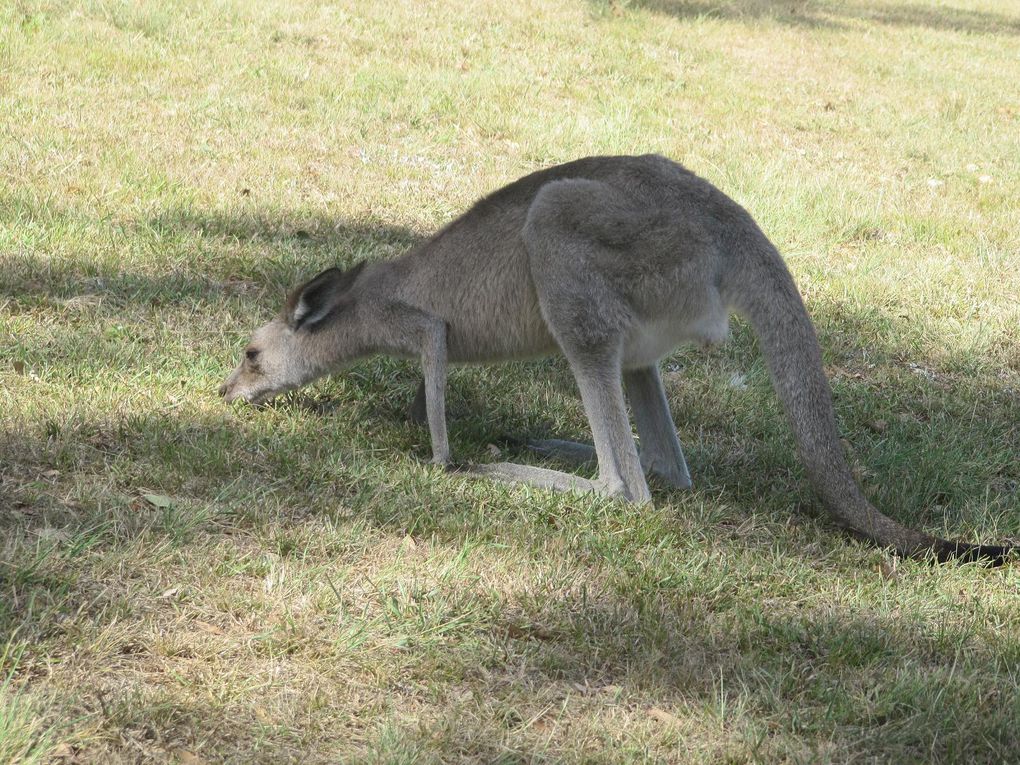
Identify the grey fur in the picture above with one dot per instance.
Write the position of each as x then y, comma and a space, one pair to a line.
613, 262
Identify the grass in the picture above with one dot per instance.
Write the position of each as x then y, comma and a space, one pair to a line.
24, 734
310, 590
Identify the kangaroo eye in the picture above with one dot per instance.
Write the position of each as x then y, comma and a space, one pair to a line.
251, 354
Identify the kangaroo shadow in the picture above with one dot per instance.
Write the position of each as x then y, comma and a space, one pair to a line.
897, 413
837, 14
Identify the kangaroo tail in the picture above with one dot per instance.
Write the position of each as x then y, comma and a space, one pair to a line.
763, 291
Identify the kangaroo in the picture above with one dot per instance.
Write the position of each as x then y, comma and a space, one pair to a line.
612, 262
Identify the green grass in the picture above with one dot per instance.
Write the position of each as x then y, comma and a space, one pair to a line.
25, 737
315, 592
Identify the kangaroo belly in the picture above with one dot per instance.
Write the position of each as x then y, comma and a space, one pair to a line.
649, 340
500, 333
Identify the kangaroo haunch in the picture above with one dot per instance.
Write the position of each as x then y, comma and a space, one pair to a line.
613, 262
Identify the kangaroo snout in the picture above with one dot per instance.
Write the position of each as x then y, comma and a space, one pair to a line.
228, 390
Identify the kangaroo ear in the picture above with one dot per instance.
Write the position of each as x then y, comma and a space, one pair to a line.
313, 301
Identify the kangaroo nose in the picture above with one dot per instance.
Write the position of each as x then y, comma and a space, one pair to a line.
223, 390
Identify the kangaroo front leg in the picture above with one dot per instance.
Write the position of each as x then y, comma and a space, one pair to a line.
660, 449
433, 364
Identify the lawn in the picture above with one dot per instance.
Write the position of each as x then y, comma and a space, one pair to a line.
182, 581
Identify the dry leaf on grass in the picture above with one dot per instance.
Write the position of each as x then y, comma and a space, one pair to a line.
212, 629
184, 757
661, 715
52, 535
158, 500
62, 752
528, 631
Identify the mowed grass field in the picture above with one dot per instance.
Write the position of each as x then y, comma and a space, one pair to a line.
182, 581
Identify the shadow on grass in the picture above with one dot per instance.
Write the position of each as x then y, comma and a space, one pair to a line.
738, 443
694, 644
198, 256
748, 684
320, 231
837, 14
719, 643
873, 683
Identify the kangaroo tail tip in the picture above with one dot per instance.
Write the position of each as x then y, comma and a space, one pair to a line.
991, 556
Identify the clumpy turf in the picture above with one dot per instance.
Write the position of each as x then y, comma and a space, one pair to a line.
183, 582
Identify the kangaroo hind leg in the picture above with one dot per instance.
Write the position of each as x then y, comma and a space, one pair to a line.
660, 451
620, 471
575, 234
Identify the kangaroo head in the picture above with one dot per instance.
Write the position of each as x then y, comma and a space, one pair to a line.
292, 349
